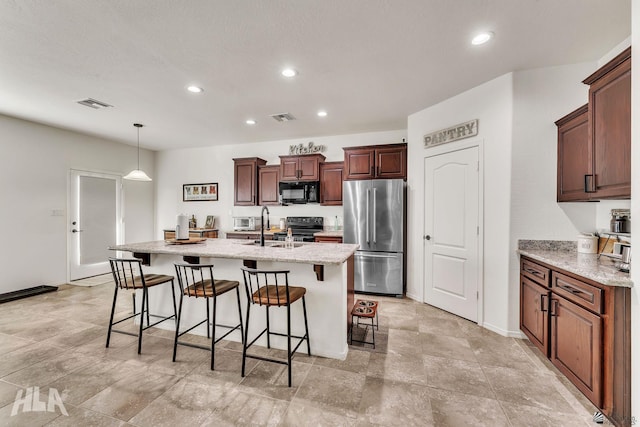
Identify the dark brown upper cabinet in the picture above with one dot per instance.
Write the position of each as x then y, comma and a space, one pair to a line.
574, 156
301, 168
331, 177
610, 128
245, 179
376, 162
268, 178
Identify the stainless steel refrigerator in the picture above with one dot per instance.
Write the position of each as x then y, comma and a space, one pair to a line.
374, 218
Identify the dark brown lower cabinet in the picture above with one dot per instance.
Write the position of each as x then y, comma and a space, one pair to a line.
534, 302
576, 346
584, 328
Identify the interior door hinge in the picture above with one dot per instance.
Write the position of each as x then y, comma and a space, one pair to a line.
478, 230
477, 294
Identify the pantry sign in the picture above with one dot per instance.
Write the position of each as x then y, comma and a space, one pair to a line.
450, 134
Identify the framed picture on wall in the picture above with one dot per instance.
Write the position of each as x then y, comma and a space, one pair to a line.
200, 192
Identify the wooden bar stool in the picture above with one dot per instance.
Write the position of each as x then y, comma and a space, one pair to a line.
197, 281
127, 274
270, 288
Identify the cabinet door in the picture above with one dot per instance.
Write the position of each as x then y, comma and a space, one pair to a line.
574, 156
309, 167
576, 346
534, 309
268, 178
246, 181
359, 163
331, 183
391, 162
610, 130
289, 167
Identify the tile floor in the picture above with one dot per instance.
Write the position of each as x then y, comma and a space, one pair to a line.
430, 368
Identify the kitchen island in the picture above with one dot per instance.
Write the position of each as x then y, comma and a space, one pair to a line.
325, 270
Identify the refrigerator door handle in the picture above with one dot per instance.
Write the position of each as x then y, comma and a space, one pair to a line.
367, 227
370, 255
375, 222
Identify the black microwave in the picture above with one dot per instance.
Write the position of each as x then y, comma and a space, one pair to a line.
299, 192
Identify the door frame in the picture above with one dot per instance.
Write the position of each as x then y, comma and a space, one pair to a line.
70, 205
447, 149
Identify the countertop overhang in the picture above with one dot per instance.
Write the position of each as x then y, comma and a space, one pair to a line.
305, 253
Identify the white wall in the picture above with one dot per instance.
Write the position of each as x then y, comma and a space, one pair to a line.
542, 96
215, 164
491, 103
34, 167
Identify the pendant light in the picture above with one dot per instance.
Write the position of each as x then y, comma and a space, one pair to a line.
137, 175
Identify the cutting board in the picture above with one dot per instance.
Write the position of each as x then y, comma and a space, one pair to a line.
189, 241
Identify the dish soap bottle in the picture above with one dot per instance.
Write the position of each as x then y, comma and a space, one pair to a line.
288, 243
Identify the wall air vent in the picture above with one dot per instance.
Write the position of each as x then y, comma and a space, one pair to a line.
94, 103
282, 117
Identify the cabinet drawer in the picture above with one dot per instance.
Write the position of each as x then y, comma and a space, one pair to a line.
535, 272
583, 294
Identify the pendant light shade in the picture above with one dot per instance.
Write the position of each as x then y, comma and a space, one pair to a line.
137, 175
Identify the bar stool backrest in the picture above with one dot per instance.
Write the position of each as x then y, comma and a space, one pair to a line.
127, 273
195, 279
269, 284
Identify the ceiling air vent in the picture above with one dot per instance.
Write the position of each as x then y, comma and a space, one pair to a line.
94, 103
282, 117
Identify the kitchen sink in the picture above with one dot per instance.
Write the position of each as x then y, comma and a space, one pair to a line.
271, 244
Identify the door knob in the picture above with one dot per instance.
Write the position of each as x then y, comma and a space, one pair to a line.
427, 237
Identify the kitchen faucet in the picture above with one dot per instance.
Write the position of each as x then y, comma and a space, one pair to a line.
264, 208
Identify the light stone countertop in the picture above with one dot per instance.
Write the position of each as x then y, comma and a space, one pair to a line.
305, 253
589, 266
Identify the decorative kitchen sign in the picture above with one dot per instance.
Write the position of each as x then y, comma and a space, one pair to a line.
453, 133
306, 149
200, 192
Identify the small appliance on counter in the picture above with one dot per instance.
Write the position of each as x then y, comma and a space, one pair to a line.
182, 227
620, 221
246, 223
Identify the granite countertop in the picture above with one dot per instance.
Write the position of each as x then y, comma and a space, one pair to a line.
329, 233
305, 253
564, 256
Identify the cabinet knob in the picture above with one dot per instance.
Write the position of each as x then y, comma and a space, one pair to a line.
427, 237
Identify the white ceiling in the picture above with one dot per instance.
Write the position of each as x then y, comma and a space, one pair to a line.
369, 63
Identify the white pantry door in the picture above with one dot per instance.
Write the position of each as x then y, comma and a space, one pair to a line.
94, 222
452, 232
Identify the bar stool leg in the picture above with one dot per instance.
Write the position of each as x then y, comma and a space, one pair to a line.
175, 311
113, 310
289, 343
306, 325
268, 329
246, 340
208, 319
175, 341
240, 315
213, 332
142, 306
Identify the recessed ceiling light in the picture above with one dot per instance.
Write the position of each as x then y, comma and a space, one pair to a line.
482, 38
250, 122
289, 72
322, 113
195, 89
